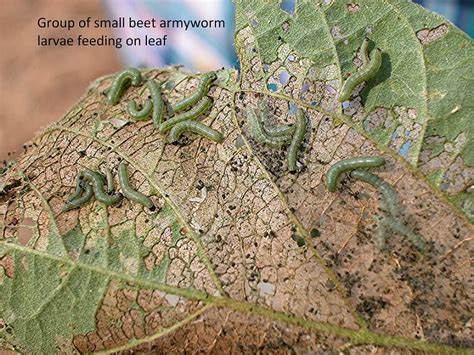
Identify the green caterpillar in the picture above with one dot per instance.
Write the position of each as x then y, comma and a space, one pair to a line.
297, 139
368, 70
275, 131
402, 228
128, 191
121, 82
80, 197
194, 127
89, 183
110, 180
203, 105
139, 115
389, 194
344, 165
391, 216
364, 50
201, 91
158, 104
97, 182
84, 197
258, 132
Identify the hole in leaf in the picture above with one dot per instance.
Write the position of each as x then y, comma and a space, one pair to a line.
272, 87
288, 6
284, 77
405, 148
293, 109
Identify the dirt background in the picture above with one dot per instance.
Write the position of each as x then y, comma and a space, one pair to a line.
39, 84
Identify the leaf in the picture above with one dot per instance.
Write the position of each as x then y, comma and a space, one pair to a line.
241, 255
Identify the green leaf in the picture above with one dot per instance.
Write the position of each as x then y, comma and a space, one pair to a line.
240, 254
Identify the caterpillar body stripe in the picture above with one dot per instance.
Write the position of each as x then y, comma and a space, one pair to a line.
365, 73
97, 182
121, 82
344, 165
128, 191
258, 133
86, 195
386, 190
297, 139
194, 127
202, 106
202, 90
158, 104
139, 115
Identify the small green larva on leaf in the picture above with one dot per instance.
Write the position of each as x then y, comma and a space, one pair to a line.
78, 191
274, 131
390, 211
194, 127
258, 133
388, 193
201, 91
121, 82
110, 180
128, 191
158, 104
97, 182
139, 115
202, 106
367, 71
279, 131
380, 233
297, 139
364, 52
344, 165
401, 228
78, 201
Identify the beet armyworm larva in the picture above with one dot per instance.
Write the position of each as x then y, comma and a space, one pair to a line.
344, 165
201, 91
158, 104
401, 228
364, 51
110, 180
274, 131
202, 106
386, 190
139, 115
260, 135
390, 209
194, 127
97, 182
78, 191
128, 191
121, 82
367, 71
297, 139
77, 200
